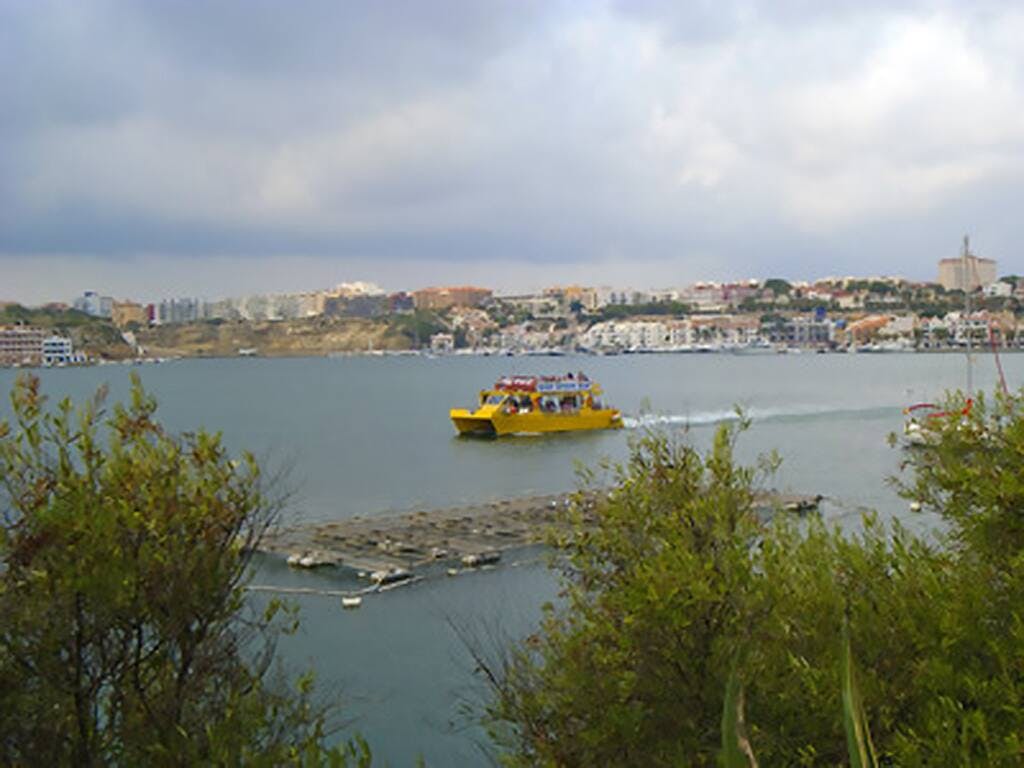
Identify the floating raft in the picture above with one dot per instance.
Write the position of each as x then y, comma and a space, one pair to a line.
472, 535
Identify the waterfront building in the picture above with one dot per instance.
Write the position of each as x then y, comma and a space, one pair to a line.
21, 345
724, 330
442, 343
867, 328
800, 332
28, 345
452, 296
953, 276
900, 327
961, 326
663, 335
634, 335
58, 350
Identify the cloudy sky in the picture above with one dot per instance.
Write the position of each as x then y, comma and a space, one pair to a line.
218, 148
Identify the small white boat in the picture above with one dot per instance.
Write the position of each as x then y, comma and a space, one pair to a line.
351, 602
915, 428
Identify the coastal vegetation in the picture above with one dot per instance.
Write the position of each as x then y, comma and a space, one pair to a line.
692, 631
416, 327
126, 636
648, 309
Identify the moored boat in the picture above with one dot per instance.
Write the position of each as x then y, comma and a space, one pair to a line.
537, 404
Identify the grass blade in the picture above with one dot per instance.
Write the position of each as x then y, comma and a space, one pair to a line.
736, 749
858, 737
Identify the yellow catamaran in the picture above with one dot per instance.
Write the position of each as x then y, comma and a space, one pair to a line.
537, 404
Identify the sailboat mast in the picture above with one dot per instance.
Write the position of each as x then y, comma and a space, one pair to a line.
967, 314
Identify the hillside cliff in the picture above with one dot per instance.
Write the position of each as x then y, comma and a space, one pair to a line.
313, 336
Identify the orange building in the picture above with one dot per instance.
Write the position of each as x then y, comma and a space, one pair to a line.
867, 327
454, 296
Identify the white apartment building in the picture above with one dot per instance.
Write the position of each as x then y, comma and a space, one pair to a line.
93, 304
666, 335
58, 350
442, 343
627, 334
27, 345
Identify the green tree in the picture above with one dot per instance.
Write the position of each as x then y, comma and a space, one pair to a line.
667, 308
674, 584
778, 286
126, 637
418, 326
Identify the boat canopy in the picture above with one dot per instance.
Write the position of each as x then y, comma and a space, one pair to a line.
934, 411
544, 384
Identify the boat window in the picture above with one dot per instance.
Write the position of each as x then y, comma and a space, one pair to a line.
495, 399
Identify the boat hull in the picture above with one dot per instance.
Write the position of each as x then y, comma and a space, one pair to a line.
496, 424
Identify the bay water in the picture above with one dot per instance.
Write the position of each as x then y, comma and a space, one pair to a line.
371, 435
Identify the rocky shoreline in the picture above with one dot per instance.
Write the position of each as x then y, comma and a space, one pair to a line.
470, 534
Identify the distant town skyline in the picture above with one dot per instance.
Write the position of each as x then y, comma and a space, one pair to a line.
38, 294
230, 148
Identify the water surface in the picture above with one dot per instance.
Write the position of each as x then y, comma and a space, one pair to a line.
368, 435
